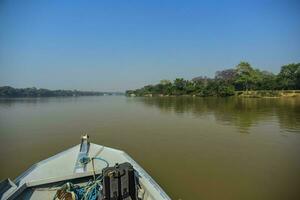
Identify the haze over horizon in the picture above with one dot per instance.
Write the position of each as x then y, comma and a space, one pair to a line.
114, 46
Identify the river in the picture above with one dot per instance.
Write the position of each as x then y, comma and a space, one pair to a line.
195, 148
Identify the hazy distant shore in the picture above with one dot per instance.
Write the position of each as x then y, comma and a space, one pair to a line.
10, 92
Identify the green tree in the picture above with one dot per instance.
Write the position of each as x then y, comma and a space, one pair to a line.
243, 77
288, 77
179, 86
165, 82
190, 87
225, 90
246, 76
267, 81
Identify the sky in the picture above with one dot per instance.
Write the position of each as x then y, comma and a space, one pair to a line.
109, 45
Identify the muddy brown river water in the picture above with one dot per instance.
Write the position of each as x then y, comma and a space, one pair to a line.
195, 148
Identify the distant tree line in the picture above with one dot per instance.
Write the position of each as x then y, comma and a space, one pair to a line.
241, 78
7, 91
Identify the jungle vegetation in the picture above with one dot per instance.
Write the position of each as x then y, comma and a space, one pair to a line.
7, 91
242, 77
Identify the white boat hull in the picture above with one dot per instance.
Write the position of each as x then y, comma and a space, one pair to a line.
32, 184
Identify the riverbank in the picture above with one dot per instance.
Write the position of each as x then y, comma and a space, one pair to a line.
268, 93
230, 82
247, 94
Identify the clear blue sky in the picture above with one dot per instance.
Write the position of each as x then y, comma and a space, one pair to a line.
118, 45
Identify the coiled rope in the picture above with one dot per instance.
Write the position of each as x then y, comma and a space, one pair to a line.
90, 191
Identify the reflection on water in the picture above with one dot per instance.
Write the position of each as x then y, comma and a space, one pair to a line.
240, 112
8, 102
195, 148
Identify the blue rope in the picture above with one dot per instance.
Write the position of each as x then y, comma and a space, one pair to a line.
88, 192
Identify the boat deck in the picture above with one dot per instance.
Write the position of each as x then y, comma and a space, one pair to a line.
42, 179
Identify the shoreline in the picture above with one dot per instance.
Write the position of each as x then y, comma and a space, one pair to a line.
244, 94
268, 93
